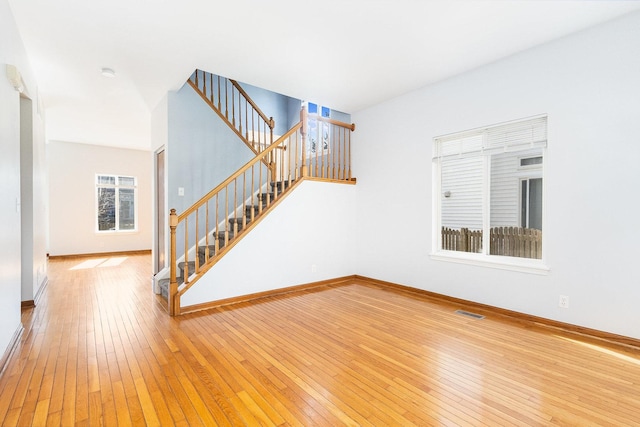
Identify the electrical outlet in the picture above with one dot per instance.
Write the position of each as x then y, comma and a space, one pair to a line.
314, 268
563, 301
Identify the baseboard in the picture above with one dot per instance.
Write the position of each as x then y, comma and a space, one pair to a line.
33, 302
119, 253
13, 344
521, 318
267, 294
43, 285
526, 320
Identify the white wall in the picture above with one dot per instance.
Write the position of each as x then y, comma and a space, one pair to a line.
159, 124
12, 52
589, 85
202, 150
9, 216
33, 200
72, 170
314, 225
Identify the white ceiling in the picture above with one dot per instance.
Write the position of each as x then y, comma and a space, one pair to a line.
346, 54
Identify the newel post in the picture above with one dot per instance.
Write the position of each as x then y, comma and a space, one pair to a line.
272, 163
303, 133
173, 284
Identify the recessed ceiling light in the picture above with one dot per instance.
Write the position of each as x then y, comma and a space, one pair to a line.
108, 72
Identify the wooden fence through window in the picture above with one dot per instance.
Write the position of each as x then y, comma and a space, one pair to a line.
462, 240
506, 241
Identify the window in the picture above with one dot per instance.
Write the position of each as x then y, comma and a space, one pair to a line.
318, 134
531, 203
531, 161
116, 203
489, 193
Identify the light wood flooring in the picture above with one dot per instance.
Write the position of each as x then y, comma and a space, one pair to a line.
99, 350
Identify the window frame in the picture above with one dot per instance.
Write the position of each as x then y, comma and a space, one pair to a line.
484, 259
117, 186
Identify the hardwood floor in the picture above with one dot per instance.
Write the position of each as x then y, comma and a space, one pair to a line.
99, 350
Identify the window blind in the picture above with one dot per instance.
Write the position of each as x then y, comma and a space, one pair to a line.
507, 137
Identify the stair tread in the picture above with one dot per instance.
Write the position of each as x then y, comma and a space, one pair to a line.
167, 281
237, 220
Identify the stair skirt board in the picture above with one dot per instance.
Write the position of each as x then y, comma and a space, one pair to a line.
340, 281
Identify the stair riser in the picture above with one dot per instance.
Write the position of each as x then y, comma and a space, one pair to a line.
278, 188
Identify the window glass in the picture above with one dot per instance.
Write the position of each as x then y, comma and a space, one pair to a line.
116, 203
126, 181
535, 204
126, 220
106, 209
490, 189
531, 161
106, 179
462, 204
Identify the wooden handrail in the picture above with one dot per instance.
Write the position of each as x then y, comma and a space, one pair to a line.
270, 122
237, 173
245, 122
351, 126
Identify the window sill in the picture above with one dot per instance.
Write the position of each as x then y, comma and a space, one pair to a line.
117, 232
522, 265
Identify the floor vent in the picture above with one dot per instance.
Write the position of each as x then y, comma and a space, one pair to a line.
468, 314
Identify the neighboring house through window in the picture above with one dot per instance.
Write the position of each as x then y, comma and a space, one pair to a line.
488, 187
116, 203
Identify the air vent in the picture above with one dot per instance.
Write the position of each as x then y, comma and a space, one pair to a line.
468, 314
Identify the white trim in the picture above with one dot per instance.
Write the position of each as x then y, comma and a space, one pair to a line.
436, 202
480, 129
522, 265
486, 205
154, 200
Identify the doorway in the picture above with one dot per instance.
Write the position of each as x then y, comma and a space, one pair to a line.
161, 214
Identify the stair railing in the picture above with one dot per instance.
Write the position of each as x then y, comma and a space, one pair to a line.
216, 222
234, 106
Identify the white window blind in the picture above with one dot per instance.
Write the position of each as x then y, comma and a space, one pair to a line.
506, 137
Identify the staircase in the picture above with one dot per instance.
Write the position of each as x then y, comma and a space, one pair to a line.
203, 233
221, 239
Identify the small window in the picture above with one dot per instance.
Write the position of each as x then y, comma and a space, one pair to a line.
318, 132
116, 203
531, 161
